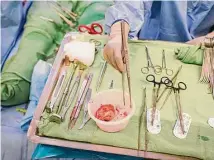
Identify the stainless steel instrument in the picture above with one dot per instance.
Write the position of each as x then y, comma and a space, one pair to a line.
86, 118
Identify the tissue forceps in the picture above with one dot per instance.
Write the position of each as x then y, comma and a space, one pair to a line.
180, 86
85, 117
156, 69
168, 71
125, 58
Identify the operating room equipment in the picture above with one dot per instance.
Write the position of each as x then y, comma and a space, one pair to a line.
86, 118
111, 84
156, 69
56, 91
80, 99
69, 22
66, 10
125, 58
91, 29
58, 117
173, 79
71, 93
101, 75
97, 44
180, 86
168, 71
208, 64
155, 91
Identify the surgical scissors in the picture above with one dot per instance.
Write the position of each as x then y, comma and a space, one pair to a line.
168, 71
155, 91
180, 86
91, 29
156, 69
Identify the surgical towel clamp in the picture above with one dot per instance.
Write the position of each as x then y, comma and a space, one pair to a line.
125, 58
85, 117
181, 86
156, 69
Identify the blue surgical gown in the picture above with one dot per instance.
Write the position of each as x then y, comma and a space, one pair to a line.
178, 21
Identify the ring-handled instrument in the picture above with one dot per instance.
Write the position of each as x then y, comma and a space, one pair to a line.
125, 58
168, 71
94, 28
155, 91
173, 79
80, 99
180, 86
97, 44
101, 75
156, 69
86, 118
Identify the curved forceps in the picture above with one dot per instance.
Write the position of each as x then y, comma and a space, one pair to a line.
181, 86
145, 70
91, 29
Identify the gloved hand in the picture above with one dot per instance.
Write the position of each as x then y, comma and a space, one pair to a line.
112, 50
200, 40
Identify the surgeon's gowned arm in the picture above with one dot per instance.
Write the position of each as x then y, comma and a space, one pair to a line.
130, 11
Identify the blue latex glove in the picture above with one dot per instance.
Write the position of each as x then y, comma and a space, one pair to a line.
13, 17
39, 78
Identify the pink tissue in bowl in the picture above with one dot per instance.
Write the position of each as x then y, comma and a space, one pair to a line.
108, 112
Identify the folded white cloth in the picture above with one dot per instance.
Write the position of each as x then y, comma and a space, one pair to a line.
81, 51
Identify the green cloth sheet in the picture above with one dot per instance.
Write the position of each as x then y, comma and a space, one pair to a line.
195, 101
